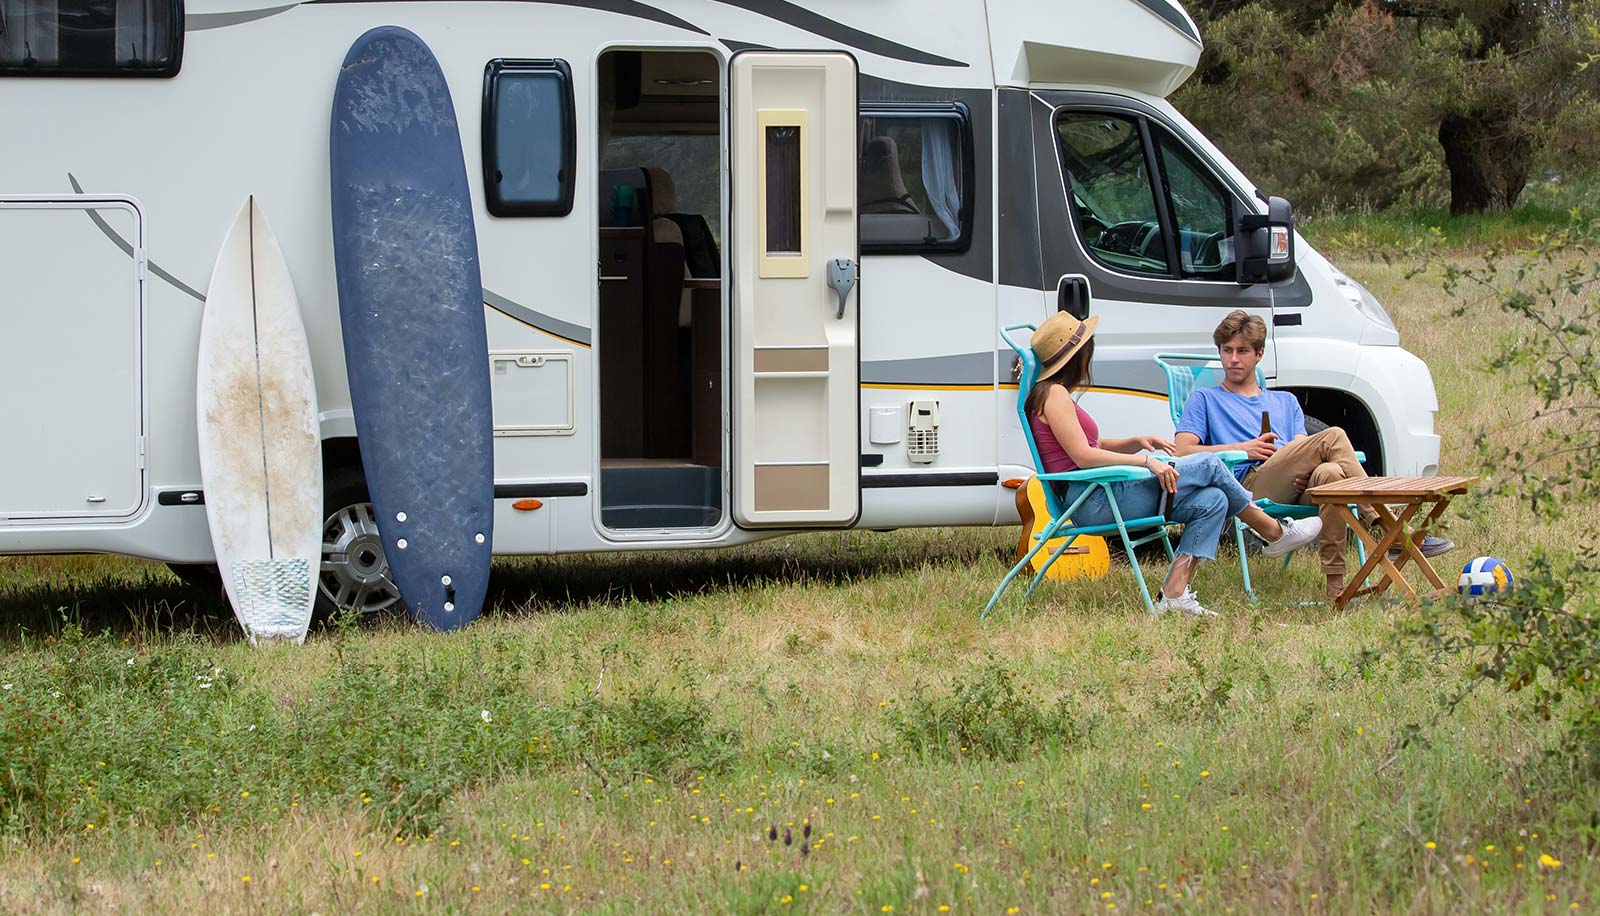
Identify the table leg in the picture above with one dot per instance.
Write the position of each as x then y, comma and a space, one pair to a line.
1394, 529
1412, 546
1377, 551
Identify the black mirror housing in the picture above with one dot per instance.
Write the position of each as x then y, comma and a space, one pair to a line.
1264, 245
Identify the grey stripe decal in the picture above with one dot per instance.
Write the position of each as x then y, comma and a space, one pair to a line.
200, 22
537, 320
960, 369
984, 368
621, 7
804, 19
127, 249
1174, 18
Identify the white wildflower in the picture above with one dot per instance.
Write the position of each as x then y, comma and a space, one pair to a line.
484, 715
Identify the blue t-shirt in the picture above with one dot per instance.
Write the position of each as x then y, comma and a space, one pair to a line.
1219, 416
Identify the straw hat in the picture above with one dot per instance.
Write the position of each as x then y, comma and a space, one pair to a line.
1057, 339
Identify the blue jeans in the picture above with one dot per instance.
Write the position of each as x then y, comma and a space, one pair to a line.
1208, 495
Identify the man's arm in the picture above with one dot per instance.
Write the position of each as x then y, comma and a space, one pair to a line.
1190, 444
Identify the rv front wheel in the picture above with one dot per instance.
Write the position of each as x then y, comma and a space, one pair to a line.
354, 571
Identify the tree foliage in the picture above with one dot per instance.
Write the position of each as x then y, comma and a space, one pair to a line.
1542, 639
1377, 103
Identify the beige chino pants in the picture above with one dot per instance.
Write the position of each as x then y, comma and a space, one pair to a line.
1326, 457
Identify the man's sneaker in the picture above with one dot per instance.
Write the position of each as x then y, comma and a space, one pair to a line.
1296, 533
1431, 547
1187, 602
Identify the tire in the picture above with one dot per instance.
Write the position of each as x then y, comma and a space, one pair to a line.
354, 572
1314, 426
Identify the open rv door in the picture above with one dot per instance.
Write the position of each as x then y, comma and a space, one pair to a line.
795, 396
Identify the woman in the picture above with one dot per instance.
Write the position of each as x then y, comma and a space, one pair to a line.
1200, 490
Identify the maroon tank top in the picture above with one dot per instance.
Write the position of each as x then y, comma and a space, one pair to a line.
1051, 454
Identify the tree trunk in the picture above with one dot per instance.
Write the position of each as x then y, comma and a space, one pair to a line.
1488, 159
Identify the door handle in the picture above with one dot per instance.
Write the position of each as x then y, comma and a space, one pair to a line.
1072, 296
842, 277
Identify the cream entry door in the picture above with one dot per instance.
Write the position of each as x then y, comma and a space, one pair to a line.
795, 367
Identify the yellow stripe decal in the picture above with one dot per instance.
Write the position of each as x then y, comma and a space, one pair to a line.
885, 386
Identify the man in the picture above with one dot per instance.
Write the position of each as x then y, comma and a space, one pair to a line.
1229, 417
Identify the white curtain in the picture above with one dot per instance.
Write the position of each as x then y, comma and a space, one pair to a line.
28, 30
141, 25
941, 171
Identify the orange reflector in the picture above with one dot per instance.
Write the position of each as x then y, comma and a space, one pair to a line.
526, 505
1015, 483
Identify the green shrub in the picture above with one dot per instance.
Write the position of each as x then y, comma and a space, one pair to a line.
94, 732
987, 715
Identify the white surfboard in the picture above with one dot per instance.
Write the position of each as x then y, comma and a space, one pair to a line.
260, 452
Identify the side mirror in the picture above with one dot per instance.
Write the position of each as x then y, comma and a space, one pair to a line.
1264, 245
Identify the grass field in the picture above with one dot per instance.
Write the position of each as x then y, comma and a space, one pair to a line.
816, 724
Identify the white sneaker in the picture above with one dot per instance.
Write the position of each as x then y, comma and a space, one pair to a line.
1296, 533
1187, 602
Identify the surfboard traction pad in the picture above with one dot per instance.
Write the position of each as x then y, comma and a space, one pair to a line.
271, 597
411, 301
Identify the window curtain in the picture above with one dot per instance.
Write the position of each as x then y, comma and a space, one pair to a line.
141, 30
783, 189
29, 32
941, 172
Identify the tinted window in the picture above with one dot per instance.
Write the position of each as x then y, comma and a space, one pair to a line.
1113, 200
1202, 210
915, 181
528, 138
90, 37
783, 189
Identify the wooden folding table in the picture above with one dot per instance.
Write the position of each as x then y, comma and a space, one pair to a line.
1380, 494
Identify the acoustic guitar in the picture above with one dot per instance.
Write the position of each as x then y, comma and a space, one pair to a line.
1088, 555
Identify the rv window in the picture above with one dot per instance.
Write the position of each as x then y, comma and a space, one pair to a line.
1202, 210
528, 138
1113, 201
915, 187
99, 38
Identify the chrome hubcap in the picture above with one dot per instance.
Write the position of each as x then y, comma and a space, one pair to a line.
354, 571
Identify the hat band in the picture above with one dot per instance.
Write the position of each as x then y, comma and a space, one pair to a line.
1072, 341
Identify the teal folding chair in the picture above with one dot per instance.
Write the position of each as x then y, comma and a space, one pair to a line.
1153, 527
1188, 371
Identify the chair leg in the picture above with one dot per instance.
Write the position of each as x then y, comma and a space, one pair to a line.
1133, 558
1054, 556
1244, 561
1138, 574
1044, 538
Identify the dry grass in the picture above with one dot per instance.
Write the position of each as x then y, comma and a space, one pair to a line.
1243, 765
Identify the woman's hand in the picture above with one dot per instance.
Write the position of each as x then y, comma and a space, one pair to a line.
1152, 444
1164, 472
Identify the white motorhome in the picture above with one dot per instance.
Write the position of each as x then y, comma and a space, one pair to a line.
662, 189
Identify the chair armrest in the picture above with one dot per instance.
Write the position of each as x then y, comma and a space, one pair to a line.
1230, 457
1361, 457
1114, 474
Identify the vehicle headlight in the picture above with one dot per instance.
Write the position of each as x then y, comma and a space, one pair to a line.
1362, 298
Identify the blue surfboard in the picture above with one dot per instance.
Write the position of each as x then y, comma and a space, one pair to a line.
411, 310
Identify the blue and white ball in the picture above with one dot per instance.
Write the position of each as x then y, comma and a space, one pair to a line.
1484, 576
